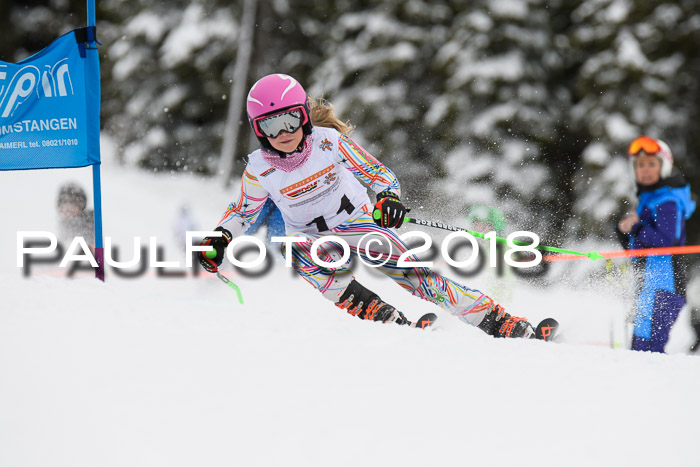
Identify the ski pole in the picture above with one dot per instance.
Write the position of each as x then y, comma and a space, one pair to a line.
212, 254
594, 255
672, 250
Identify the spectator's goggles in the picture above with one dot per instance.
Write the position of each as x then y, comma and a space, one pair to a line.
290, 121
644, 143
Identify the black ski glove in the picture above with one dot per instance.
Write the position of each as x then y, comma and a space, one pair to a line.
388, 210
219, 244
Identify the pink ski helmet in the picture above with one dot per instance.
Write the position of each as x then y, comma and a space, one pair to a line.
273, 94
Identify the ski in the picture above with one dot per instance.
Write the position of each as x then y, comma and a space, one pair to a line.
424, 321
547, 329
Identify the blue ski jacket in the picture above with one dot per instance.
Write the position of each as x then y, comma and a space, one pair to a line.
663, 209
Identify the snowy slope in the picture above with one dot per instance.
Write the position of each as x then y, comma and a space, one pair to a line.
174, 372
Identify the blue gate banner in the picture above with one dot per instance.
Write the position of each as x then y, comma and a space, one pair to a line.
49, 107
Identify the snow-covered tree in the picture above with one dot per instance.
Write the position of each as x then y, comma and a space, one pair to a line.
456, 97
639, 76
167, 74
525, 105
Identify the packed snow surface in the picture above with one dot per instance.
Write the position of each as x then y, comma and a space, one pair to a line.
155, 371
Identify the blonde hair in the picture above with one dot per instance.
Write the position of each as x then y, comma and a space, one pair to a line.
322, 115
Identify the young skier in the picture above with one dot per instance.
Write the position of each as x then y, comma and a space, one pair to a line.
659, 221
312, 170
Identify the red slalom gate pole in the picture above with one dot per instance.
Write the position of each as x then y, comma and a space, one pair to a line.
672, 250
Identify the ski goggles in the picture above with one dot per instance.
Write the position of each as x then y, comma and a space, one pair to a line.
271, 126
644, 143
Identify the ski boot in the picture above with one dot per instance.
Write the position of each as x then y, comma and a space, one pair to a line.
498, 323
365, 304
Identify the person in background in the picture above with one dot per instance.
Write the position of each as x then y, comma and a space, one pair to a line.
182, 223
484, 219
695, 323
308, 165
693, 299
500, 281
271, 217
659, 221
75, 220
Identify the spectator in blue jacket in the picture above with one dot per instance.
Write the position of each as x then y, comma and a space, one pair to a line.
659, 221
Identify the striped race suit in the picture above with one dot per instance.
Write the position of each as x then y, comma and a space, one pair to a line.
324, 197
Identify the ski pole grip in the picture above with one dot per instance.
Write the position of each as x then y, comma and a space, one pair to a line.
211, 254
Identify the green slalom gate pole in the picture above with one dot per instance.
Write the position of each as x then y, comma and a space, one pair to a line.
593, 255
212, 254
